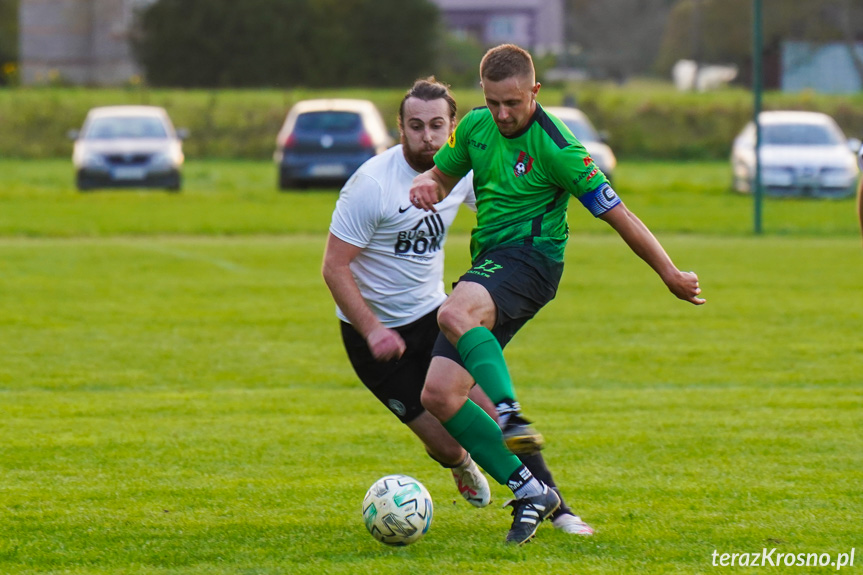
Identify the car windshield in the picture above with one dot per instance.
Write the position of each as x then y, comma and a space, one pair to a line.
328, 122
125, 127
799, 135
581, 131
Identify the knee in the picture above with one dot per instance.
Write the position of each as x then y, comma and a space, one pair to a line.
452, 321
434, 399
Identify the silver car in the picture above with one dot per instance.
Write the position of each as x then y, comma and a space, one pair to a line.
802, 154
128, 146
591, 139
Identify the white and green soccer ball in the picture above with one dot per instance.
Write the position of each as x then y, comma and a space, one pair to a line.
397, 510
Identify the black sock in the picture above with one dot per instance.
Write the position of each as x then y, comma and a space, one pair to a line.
538, 467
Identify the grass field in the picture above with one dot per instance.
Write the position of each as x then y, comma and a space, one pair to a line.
174, 398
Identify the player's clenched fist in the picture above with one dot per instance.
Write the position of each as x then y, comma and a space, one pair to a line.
425, 192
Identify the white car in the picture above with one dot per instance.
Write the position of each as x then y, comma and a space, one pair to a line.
802, 154
128, 146
591, 139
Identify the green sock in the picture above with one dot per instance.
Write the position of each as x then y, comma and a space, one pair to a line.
479, 434
483, 359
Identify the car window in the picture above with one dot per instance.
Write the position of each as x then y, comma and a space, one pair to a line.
126, 127
581, 131
328, 122
799, 134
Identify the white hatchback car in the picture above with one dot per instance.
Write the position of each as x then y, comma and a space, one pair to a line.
592, 140
802, 154
128, 146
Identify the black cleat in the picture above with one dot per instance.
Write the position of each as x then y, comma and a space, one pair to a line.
520, 437
529, 512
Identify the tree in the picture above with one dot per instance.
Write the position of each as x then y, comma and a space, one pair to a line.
728, 37
616, 38
8, 40
315, 43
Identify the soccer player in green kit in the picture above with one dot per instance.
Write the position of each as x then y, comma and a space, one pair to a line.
526, 166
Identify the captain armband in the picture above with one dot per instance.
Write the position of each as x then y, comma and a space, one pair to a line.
600, 200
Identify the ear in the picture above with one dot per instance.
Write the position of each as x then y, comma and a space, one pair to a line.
535, 89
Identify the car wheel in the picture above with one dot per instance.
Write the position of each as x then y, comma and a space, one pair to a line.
285, 183
82, 185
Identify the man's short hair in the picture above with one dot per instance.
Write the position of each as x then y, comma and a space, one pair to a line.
506, 61
428, 89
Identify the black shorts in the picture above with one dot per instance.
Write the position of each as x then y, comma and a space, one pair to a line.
520, 280
397, 383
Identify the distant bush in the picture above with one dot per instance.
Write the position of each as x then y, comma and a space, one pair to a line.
285, 43
643, 121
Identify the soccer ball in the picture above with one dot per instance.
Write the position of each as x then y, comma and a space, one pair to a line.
397, 510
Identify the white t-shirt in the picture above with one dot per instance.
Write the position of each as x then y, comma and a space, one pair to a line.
400, 270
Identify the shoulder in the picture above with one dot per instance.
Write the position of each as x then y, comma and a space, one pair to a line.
378, 166
549, 125
476, 116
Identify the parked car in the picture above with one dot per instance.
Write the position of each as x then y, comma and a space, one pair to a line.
128, 146
593, 140
802, 154
323, 142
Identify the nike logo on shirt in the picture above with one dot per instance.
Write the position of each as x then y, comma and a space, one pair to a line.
403, 210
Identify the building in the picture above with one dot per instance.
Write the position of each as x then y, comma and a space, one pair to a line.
77, 41
827, 68
536, 25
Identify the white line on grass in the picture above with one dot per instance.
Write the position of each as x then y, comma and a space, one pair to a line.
185, 255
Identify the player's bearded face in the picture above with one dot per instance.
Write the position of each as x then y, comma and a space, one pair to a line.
425, 128
511, 101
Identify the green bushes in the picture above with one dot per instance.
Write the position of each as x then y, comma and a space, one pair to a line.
282, 43
651, 121
643, 120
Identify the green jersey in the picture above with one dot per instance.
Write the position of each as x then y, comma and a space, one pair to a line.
523, 182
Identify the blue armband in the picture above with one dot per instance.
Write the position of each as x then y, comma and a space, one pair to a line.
600, 200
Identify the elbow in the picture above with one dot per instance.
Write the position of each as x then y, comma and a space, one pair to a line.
328, 272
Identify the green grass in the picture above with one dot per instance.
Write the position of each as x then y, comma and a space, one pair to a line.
174, 398
38, 199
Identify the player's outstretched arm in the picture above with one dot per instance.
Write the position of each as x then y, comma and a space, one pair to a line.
384, 343
430, 187
684, 285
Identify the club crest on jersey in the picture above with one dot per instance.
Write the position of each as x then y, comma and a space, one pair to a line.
523, 165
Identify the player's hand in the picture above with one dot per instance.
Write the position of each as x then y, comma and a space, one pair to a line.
425, 193
385, 344
685, 286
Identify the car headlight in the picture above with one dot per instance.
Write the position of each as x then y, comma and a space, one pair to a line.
777, 176
837, 178
92, 160
161, 161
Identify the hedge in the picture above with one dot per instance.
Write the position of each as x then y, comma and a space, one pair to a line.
643, 120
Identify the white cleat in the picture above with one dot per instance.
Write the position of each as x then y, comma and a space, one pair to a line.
471, 483
571, 524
